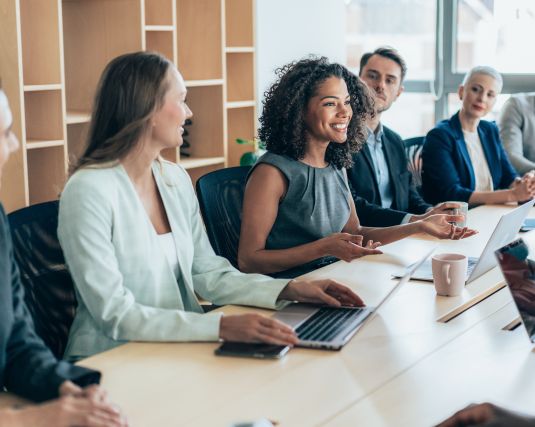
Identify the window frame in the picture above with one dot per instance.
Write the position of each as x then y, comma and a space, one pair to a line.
447, 79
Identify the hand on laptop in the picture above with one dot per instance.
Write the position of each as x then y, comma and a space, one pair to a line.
347, 246
487, 414
254, 327
324, 291
441, 226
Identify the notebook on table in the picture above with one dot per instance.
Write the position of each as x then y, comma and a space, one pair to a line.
332, 327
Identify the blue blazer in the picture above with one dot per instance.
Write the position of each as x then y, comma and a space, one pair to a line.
27, 366
448, 173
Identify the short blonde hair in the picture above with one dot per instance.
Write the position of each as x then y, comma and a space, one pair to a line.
487, 71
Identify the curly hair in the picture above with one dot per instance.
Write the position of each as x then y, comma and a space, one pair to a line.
282, 123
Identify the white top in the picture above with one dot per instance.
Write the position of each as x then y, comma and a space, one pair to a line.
479, 162
168, 246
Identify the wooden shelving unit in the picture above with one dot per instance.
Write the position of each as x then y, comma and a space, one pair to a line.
54, 51
240, 74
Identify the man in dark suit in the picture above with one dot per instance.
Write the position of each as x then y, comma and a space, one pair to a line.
380, 182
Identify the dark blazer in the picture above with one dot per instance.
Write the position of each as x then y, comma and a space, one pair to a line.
364, 185
447, 169
27, 366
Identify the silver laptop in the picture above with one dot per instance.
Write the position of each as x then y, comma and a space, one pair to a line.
332, 327
505, 231
519, 273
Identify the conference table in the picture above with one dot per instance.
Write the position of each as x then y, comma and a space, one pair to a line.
421, 358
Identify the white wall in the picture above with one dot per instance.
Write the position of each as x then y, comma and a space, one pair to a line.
288, 30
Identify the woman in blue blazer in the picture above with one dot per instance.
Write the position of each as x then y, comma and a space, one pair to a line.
133, 237
463, 158
27, 366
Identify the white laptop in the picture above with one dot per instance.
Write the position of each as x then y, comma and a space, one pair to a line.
519, 273
505, 231
332, 327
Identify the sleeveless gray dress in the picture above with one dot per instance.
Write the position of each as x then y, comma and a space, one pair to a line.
316, 204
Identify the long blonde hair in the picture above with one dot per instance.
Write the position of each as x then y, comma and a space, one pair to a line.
130, 89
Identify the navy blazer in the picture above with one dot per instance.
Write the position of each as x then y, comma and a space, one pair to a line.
364, 187
448, 173
27, 367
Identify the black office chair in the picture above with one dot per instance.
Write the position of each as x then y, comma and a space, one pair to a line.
220, 195
49, 289
413, 149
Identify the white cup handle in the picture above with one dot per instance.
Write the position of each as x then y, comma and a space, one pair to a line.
446, 273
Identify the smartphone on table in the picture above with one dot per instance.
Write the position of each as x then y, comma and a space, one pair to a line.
255, 350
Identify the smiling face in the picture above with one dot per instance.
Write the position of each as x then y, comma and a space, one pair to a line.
383, 76
8, 141
168, 121
479, 95
329, 112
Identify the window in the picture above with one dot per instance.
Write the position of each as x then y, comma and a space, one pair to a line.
491, 32
407, 25
441, 40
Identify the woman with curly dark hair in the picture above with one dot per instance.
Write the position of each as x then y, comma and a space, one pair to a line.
298, 209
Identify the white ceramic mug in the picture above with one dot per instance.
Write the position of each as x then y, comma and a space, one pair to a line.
461, 210
449, 273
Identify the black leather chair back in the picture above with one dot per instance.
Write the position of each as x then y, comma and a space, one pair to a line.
220, 195
49, 289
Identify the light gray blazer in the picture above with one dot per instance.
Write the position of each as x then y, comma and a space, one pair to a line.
517, 130
125, 286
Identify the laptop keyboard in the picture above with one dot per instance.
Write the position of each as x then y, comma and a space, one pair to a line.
326, 323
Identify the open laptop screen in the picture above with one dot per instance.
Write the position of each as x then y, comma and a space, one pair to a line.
519, 272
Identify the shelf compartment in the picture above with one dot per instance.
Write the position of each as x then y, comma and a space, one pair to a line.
159, 12
239, 18
44, 115
46, 173
13, 192
40, 38
240, 77
76, 140
199, 39
95, 32
241, 123
206, 131
161, 42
